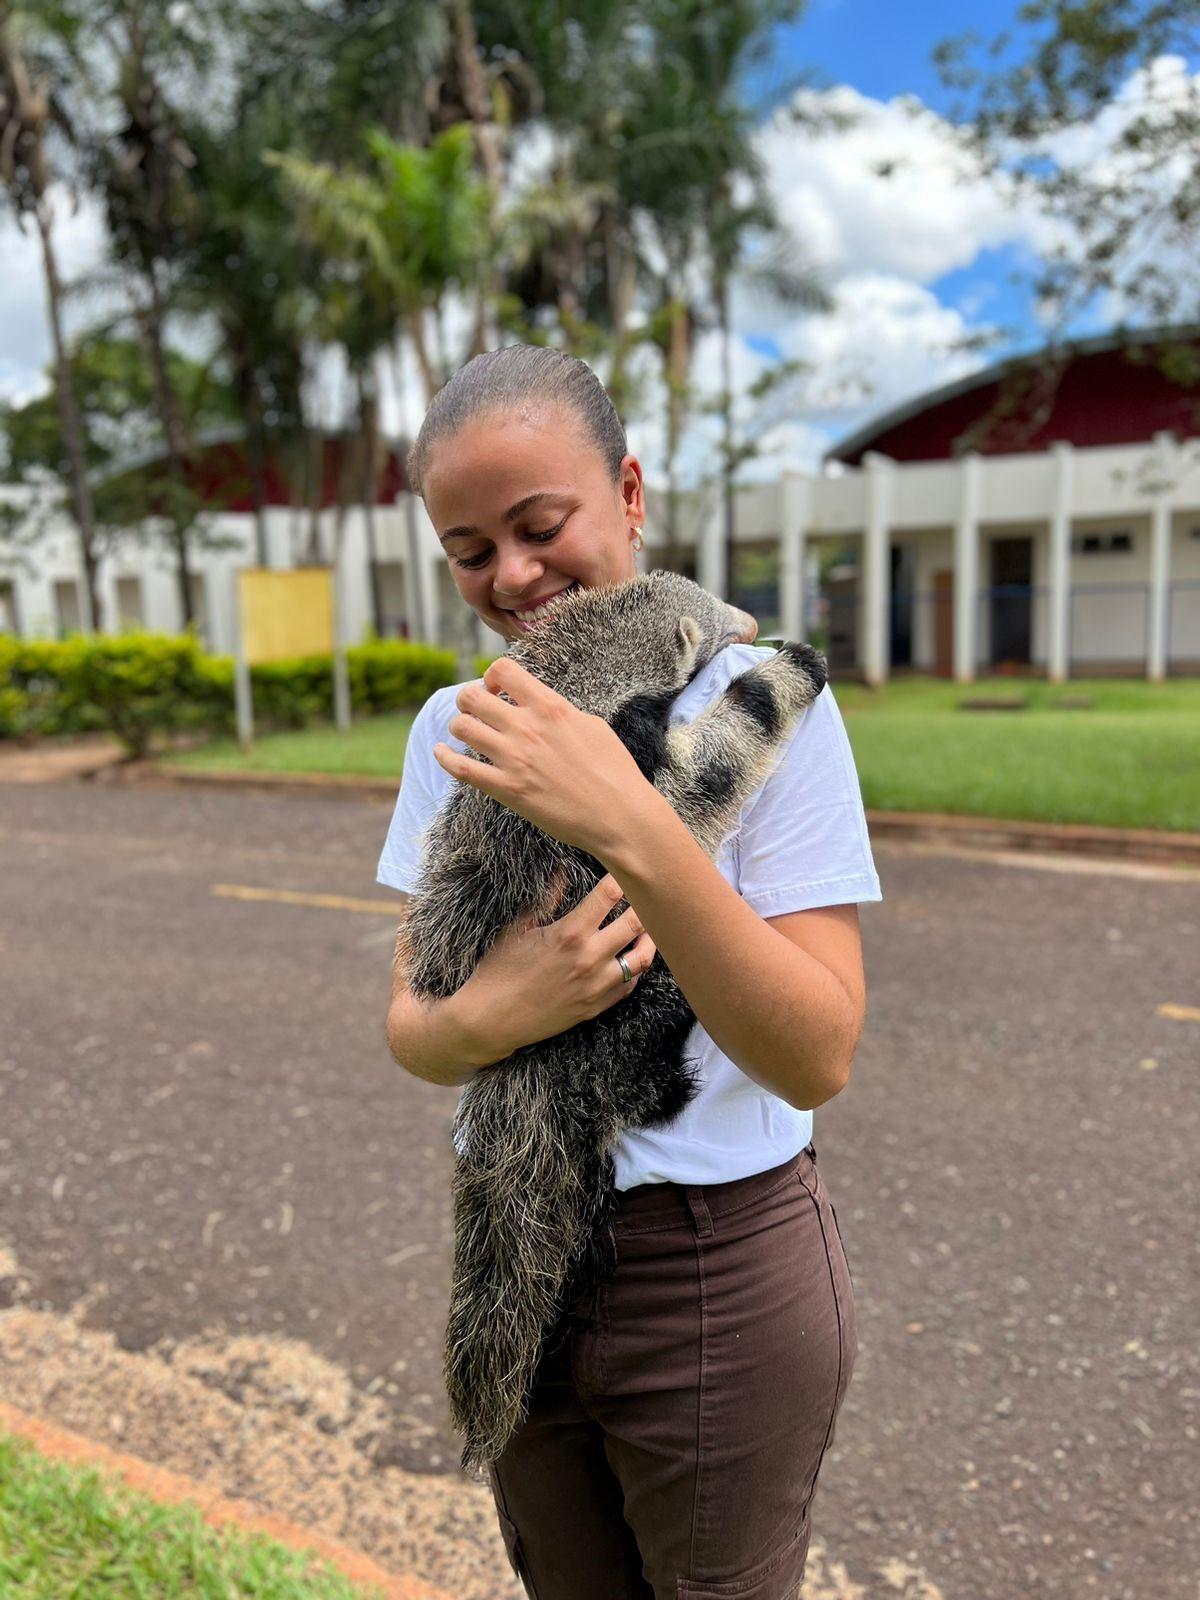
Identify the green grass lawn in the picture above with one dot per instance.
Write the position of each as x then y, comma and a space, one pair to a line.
1131, 760
374, 747
66, 1531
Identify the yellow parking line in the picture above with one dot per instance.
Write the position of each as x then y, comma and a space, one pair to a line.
1179, 1013
294, 897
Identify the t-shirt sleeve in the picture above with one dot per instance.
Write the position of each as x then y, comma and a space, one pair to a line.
417, 804
803, 838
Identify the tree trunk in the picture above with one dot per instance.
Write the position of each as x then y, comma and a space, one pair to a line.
255, 457
72, 425
416, 333
368, 413
727, 452
678, 360
179, 450
315, 486
472, 81
414, 620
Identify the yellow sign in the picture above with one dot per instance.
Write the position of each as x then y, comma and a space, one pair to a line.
286, 613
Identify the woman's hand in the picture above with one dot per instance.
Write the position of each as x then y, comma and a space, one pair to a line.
562, 769
535, 982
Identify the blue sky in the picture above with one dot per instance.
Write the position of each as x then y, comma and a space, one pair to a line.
885, 50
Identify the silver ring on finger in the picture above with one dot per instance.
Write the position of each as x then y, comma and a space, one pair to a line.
626, 972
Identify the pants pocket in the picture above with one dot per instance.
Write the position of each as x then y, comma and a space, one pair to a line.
842, 1241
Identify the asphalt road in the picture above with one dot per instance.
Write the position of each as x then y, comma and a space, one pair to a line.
198, 1111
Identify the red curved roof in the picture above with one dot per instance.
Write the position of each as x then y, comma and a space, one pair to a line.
1110, 390
220, 475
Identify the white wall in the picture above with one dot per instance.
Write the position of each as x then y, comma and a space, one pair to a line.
1111, 489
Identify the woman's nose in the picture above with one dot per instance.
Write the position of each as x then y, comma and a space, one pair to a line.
515, 576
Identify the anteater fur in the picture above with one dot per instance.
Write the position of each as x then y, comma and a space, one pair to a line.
533, 1183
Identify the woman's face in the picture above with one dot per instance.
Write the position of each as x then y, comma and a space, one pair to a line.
525, 507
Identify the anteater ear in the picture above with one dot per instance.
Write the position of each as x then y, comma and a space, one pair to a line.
688, 634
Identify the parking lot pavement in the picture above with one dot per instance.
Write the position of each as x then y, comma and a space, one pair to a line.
201, 1131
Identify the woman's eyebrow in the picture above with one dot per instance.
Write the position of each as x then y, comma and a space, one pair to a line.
511, 515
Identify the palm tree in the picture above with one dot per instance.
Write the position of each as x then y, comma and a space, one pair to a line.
392, 242
33, 59
236, 270
696, 173
140, 166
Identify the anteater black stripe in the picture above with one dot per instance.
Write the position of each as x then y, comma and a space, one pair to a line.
714, 783
757, 700
641, 726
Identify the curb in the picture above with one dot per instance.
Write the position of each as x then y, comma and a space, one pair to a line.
341, 785
174, 1488
1160, 846
993, 833
1072, 838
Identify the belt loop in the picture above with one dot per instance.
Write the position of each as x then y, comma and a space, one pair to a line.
698, 1206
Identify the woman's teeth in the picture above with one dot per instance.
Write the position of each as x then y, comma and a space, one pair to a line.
526, 618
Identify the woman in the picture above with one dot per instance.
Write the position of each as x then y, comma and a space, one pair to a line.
678, 1423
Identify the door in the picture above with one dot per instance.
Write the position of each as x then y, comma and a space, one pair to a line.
1011, 601
901, 630
943, 623
842, 595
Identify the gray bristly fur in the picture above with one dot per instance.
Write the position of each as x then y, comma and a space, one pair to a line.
533, 1183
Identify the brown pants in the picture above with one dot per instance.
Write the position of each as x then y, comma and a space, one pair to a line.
677, 1426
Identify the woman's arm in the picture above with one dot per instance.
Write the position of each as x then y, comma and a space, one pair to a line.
784, 997
438, 1040
535, 981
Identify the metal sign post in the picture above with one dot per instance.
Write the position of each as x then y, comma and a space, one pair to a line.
243, 697
341, 672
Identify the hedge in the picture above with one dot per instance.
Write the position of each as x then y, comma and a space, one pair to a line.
139, 685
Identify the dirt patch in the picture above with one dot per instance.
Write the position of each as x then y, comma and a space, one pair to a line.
272, 1421
58, 761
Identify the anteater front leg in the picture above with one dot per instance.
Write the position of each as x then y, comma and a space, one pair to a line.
715, 763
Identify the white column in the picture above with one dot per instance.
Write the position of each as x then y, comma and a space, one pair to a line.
1160, 562
1057, 663
796, 495
966, 568
710, 557
875, 652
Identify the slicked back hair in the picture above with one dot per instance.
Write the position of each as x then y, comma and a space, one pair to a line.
517, 379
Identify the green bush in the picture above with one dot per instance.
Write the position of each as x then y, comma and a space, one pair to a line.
142, 685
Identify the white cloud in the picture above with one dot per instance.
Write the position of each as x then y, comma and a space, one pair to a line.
883, 341
935, 211
25, 348
885, 338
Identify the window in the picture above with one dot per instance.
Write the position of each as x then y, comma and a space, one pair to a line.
129, 603
1103, 544
66, 604
9, 622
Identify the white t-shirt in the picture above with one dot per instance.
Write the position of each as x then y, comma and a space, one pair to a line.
801, 841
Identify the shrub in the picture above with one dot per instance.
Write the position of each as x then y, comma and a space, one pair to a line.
142, 685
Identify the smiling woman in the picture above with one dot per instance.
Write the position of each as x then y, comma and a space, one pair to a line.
537, 491
675, 1434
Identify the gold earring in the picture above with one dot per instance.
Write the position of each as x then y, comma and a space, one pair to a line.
638, 540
